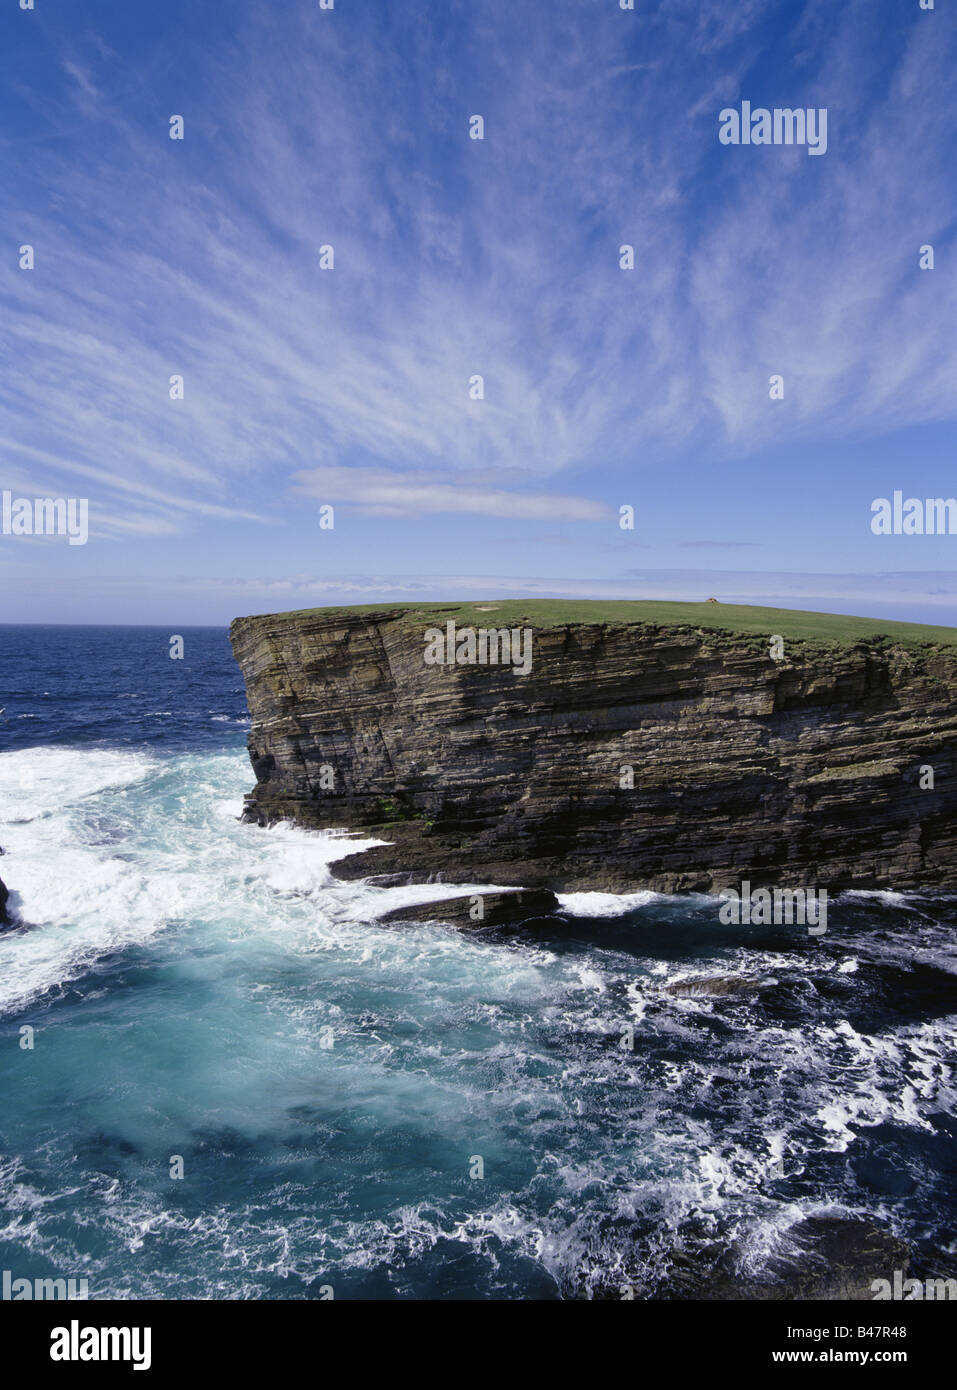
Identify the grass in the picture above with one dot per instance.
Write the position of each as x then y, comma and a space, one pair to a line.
727, 617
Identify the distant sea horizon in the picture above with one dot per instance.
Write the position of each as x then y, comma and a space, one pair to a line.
934, 615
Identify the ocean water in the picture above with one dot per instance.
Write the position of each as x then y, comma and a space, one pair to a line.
208, 989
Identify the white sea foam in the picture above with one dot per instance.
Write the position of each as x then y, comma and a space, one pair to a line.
36, 782
473, 1038
605, 904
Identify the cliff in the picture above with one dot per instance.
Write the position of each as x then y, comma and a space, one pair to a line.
811, 769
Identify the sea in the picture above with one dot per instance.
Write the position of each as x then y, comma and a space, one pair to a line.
224, 1078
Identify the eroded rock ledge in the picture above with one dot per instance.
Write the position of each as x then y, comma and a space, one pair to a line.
795, 772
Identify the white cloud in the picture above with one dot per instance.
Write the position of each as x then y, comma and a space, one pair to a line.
455, 258
381, 493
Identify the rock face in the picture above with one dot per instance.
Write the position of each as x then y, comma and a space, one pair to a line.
4, 894
798, 772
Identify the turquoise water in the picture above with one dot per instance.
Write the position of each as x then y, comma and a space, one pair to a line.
207, 989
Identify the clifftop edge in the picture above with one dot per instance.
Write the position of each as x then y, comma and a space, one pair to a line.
738, 619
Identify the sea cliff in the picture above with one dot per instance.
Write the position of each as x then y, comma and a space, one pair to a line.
678, 755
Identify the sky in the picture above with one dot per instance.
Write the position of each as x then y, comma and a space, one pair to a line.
307, 386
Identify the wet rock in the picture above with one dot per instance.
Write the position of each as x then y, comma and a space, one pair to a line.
4, 895
829, 1258
507, 907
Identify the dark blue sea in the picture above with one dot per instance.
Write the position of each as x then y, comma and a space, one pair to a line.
407, 1112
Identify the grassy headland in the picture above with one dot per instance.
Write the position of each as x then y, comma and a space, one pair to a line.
834, 628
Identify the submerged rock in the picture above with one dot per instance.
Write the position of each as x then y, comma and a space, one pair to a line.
829, 1257
716, 984
507, 906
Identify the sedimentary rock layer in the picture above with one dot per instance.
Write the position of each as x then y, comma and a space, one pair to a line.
801, 771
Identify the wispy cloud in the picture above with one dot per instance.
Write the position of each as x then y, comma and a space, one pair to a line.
455, 258
382, 493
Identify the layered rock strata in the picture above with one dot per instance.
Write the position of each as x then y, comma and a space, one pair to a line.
632, 755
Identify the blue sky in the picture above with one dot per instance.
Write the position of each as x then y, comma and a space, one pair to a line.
456, 257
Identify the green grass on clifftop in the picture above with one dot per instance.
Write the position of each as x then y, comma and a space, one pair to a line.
737, 618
